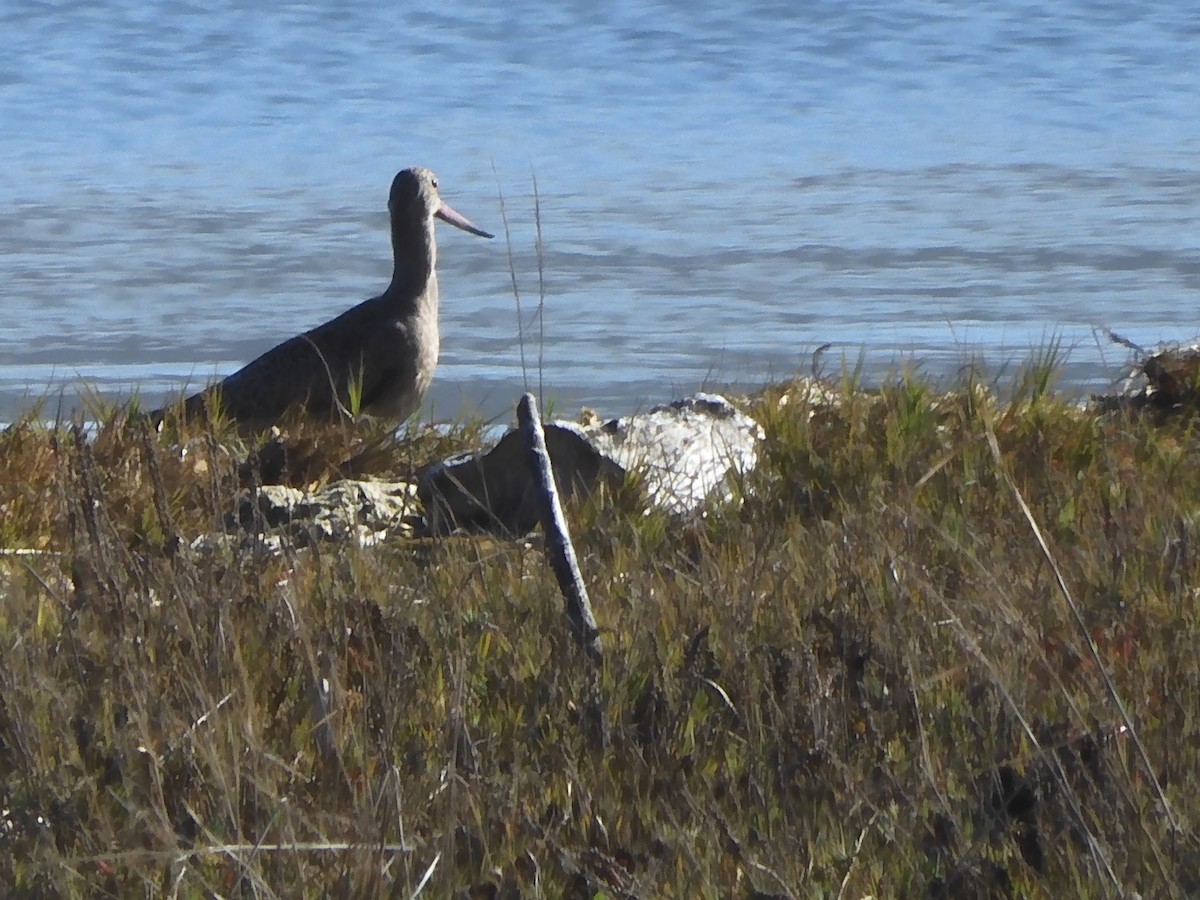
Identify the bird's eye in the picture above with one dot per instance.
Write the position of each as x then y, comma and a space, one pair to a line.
433, 181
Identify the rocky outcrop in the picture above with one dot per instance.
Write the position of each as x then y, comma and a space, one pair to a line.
1165, 380
684, 453
361, 512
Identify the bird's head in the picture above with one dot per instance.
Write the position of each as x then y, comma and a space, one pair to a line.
414, 198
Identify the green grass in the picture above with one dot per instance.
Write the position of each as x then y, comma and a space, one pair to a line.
862, 679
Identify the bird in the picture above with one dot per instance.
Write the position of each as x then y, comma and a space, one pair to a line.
376, 358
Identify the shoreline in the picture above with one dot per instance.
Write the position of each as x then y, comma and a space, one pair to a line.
478, 397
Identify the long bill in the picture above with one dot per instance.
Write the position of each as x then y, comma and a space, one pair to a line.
446, 214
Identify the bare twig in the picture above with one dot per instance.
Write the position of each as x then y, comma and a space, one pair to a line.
559, 549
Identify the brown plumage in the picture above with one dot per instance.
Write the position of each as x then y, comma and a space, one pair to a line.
386, 348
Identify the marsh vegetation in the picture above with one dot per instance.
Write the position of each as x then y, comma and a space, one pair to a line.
942, 644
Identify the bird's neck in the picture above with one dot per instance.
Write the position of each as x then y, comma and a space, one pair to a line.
415, 262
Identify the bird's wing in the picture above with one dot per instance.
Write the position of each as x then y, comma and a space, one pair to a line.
293, 373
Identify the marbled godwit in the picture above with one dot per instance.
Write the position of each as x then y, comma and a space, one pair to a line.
384, 350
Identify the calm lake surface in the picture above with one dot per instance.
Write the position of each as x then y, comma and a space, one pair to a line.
723, 187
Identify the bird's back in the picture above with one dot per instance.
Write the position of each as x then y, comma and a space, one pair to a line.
377, 358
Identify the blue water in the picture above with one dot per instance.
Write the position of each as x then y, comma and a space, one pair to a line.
182, 186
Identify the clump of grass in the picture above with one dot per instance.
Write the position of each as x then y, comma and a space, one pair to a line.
861, 679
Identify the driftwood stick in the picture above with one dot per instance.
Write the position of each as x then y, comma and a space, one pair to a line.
559, 549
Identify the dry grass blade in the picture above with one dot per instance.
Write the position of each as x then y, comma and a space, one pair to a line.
425, 878
512, 271
1085, 635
